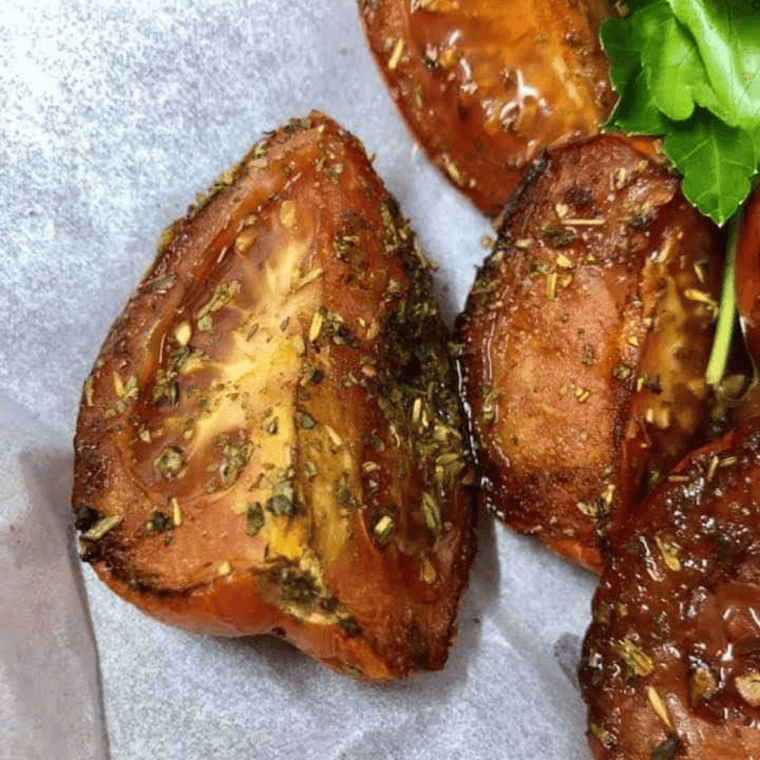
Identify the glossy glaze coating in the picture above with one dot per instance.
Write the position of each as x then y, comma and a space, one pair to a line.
271, 439
584, 342
485, 85
671, 663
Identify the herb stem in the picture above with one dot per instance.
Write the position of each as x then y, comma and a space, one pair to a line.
716, 366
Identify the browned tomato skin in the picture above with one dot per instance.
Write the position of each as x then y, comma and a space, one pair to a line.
582, 346
670, 663
748, 275
486, 85
384, 602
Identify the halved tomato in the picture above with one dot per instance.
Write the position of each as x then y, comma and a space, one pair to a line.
585, 340
485, 85
271, 440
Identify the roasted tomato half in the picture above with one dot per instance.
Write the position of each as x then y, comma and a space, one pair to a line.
485, 85
585, 339
671, 662
271, 439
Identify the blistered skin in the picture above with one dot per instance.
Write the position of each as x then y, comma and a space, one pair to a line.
584, 342
485, 85
748, 274
671, 662
271, 440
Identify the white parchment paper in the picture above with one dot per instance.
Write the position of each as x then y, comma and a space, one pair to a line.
114, 113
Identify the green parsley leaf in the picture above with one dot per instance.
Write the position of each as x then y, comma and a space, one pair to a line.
717, 162
675, 72
689, 70
636, 110
727, 34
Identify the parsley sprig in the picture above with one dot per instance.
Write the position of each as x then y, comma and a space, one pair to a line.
689, 70
716, 365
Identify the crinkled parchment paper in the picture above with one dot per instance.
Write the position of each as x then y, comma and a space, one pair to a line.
114, 113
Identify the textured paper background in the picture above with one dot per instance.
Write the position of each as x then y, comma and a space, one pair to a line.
114, 113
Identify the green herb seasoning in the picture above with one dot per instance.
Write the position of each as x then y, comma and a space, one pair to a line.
668, 749
237, 451
350, 626
636, 659
161, 284
222, 294
97, 531
283, 499
254, 519
296, 586
343, 491
559, 237
171, 461
431, 513
158, 522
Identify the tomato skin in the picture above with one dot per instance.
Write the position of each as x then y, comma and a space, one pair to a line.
584, 342
271, 440
670, 662
486, 85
